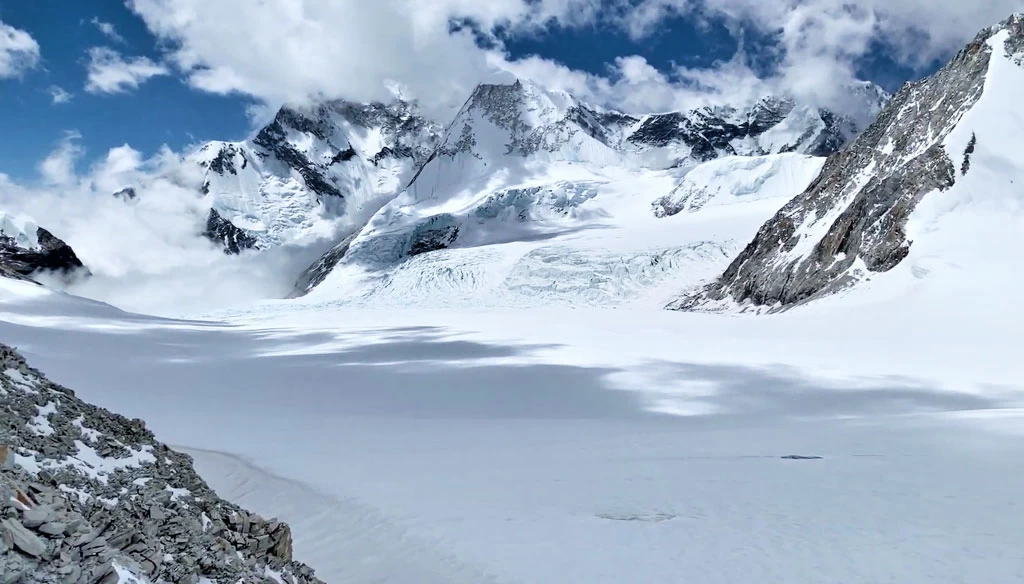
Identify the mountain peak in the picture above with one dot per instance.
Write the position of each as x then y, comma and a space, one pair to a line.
309, 167
853, 219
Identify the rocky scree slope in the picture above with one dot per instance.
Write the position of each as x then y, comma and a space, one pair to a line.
852, 219
86, 495
26, 249
309, 165
495, 159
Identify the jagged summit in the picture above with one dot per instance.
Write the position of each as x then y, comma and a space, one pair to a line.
538, 117
950, 137
312, 165
27, 249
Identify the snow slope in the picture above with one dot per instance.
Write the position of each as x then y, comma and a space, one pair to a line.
737, 180
485, 388
573, 234
589, 445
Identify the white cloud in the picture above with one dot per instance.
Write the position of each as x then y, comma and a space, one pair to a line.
821, 41
289, 51
293, 50
59, 95
19, 52
58, 168
109, 72
107, 29
147, 255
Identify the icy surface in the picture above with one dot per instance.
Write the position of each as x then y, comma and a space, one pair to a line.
552, 444
571, 233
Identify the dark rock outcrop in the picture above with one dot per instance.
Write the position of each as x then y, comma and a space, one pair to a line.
50, 254
315, 274
712, 132
437, 232
126, 194
220, 230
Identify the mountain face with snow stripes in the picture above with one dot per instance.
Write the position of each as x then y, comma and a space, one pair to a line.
311, 166
308, 167
930, 142
492, 160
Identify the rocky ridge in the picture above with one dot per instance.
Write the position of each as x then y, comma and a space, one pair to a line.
851, 221
538, 120
26, 249
88, 496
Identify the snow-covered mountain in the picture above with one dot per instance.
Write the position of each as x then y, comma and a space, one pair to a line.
519, 163
942, 155
26, 249
309, 167
772, 125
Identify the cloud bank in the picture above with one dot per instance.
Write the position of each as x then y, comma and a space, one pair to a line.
147, 254
295, 50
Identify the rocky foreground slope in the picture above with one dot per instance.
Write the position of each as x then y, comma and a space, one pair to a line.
88, 496
852, 220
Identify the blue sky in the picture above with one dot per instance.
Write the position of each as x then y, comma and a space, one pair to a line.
162, 110
165, 109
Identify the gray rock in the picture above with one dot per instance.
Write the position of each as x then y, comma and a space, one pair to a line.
23, 539
53, 528
130, 515
36, 516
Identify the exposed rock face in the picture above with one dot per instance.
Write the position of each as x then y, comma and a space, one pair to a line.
711, 133
314, 164
21, 258
92, 492
127, 194
315, 274
853, 216
222, 231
